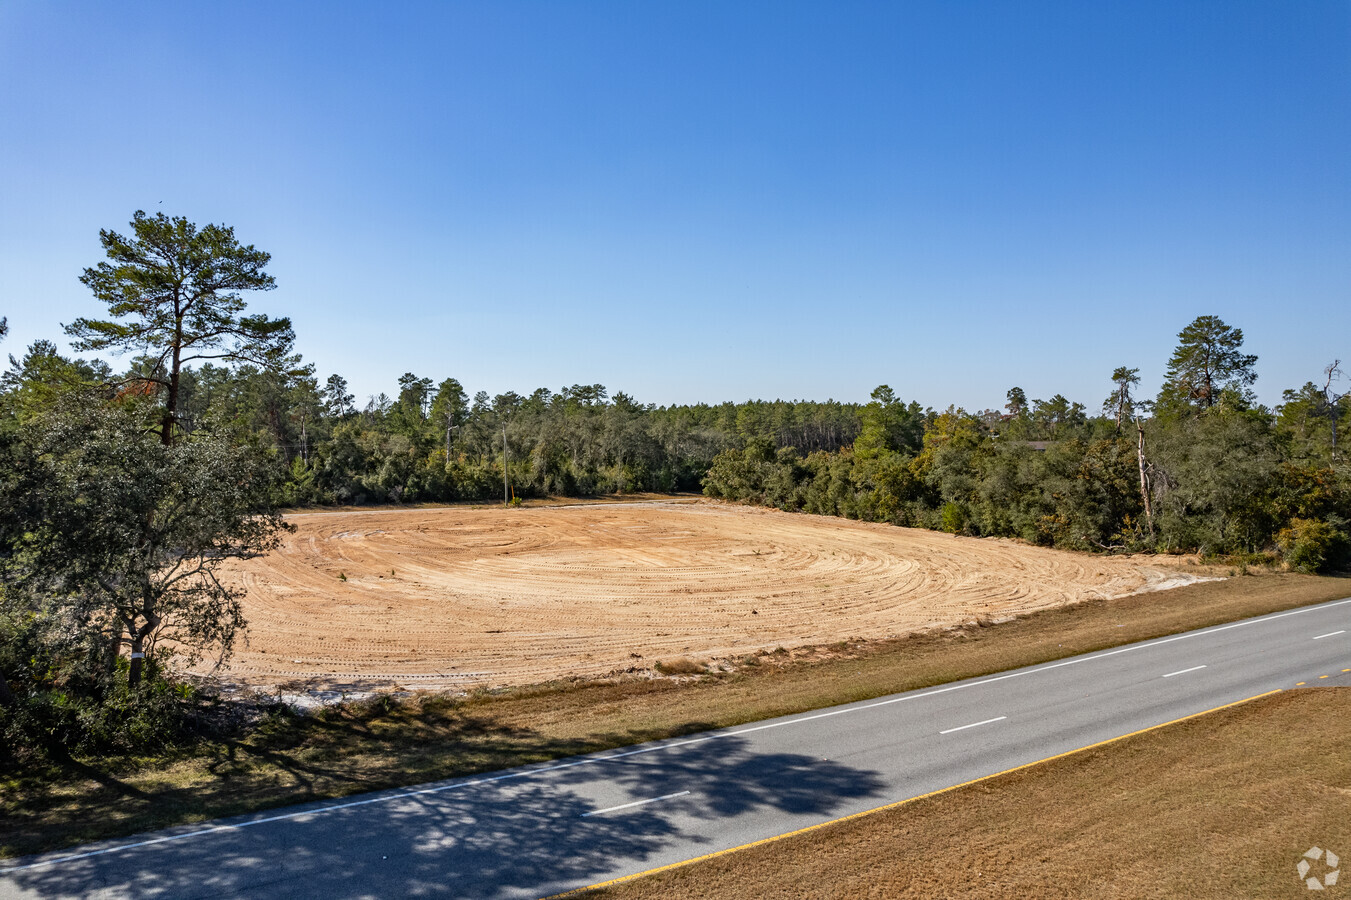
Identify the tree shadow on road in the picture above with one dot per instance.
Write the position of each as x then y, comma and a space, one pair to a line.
725, 777
521, 836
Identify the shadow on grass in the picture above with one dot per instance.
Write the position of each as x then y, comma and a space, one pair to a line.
529, 834
291, 761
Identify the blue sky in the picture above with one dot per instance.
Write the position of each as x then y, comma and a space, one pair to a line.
709, 201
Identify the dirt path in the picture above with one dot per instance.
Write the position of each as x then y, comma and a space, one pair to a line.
436, 598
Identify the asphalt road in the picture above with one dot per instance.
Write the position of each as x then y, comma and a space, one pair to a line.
539, 830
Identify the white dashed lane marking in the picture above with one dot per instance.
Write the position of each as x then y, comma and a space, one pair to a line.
974, 724
596, 812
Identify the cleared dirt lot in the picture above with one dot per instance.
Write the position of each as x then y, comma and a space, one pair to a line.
438, 598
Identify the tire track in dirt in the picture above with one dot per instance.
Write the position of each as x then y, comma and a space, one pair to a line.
491, 596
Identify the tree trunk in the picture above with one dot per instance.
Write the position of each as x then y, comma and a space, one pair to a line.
138, 636
6, 695
167, 420
137, 658
171, 402
1332, 402
1144, 480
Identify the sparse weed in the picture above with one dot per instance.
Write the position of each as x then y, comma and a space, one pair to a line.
682, 666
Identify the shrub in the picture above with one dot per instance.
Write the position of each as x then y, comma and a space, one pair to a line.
680, 666
953, 519
154, 716
1312, 545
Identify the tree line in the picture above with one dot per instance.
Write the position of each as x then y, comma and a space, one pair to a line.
430, 442
125, 488
1200, 467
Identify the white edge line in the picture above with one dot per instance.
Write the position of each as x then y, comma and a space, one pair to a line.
1330, 634
973, 725
591, 760
1183, 671
596, 812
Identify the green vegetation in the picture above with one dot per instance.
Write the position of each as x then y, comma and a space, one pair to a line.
1200, 469
113, 519
123, 490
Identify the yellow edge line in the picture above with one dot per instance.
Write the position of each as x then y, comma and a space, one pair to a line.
898, 803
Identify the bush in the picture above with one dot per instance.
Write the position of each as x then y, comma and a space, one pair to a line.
55, 723
66, 706
682, 666
953, 519
1312, 545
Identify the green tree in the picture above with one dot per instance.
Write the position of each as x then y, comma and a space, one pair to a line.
450, 404
889, 425
449, 408
1055, 418
35, 382
1313, 416
128, 534
338, 403
173, 294
1215, 476
1120, 404
409, 413
1207, 362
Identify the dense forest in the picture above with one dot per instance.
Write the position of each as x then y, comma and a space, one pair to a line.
130, 474
1198, 467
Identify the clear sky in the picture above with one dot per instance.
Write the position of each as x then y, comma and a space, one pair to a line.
708, 201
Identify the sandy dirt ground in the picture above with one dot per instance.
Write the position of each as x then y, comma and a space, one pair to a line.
459, 597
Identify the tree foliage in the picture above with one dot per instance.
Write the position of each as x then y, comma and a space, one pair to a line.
1208, 362
173, 293
110, 529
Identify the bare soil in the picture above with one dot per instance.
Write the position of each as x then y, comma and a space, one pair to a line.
438, 598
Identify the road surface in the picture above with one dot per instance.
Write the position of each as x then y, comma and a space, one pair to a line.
544, 829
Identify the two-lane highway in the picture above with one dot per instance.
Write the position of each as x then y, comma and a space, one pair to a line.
544, 829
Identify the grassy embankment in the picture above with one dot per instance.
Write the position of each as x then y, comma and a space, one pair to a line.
1219, 806
366, 747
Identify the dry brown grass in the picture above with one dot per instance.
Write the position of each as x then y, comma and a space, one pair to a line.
370, 747
681, 666
1220, 806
